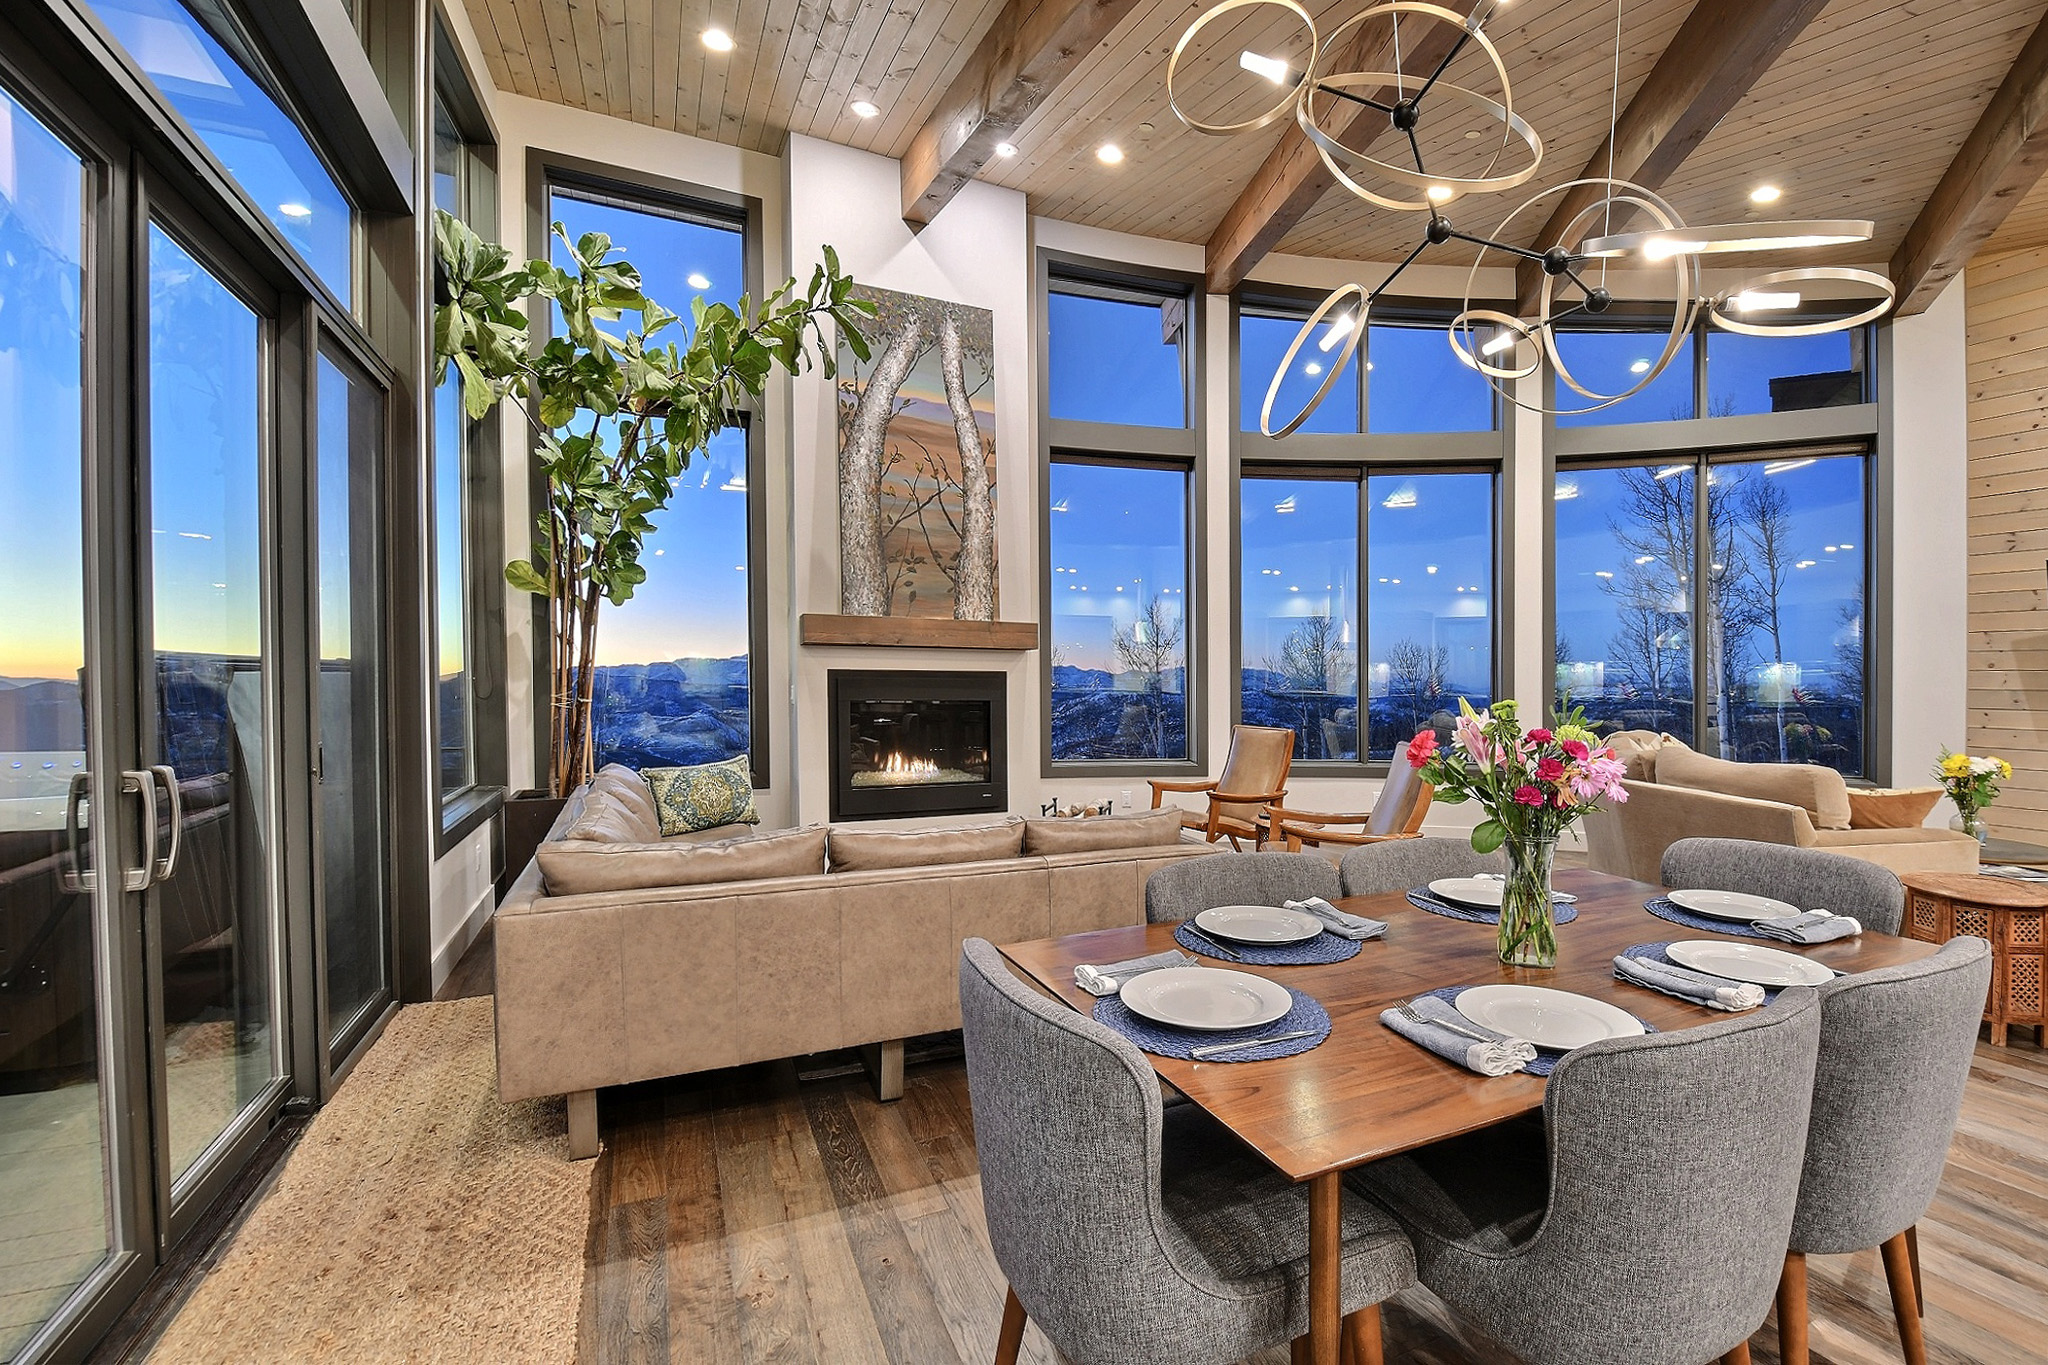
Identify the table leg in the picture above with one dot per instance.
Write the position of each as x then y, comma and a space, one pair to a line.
1325, 1247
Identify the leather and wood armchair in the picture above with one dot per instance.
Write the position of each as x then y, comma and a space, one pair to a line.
1254, 777
1397, 814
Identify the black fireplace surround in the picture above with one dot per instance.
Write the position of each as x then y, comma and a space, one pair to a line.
917, 744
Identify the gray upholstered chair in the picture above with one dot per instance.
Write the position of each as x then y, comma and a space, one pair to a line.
1895, 1050
1646, 1230
1408, 863
1805, 877
1129, 1235
1185, 889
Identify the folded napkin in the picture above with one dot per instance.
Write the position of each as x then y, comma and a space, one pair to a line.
1702, 988
1815, 926
1335, 921
1109, 978
1449, 1035
1560, 897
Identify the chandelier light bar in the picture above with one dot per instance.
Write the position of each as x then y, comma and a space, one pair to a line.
1725, 237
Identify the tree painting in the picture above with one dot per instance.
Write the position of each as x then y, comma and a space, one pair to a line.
917, 476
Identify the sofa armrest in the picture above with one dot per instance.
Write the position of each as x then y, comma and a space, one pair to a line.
1655, 817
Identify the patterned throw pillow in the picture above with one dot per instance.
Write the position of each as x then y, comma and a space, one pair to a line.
703, 797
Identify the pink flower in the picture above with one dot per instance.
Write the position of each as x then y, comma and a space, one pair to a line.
1422, 748
1528, 795
1540, 736
1576, 749
1471, 737
1598, 779
1549, 770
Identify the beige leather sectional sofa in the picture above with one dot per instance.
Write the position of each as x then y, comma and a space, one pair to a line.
623, 957
1675, 793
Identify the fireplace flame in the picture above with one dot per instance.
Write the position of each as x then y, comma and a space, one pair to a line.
897, 765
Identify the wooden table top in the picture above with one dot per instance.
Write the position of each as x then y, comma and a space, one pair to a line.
1367, 1092
1998, 893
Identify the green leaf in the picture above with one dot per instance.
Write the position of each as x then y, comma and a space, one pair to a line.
521, 574
1490, 835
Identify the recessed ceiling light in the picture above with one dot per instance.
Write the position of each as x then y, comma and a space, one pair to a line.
865, 108
1639, 367
1006, 149
295, 210
1765, 194
717, 39
696, 280
1310, 368
1109, 154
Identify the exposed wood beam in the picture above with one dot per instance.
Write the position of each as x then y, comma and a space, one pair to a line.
1999, 162
1033, 46
1293, 177
1717, 54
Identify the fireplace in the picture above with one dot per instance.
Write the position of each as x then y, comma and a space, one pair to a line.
917, 744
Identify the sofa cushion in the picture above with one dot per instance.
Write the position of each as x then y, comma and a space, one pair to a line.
703, 796
583, 868
870, 849
603, 818
1637, 750
1891, 807
616, 779
1820, 792
1093, 833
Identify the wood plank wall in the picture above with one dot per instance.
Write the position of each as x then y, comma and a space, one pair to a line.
2006, 307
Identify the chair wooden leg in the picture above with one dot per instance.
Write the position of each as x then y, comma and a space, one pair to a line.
1011, 1338
1297, 1351
1913, 1254
1738, 1356
1362, 1344
1898, 1272
1792, 1316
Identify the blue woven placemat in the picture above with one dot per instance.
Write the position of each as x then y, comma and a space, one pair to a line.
1165, 1041
1314, 952
1422, 898
1545, 1062
1665, 908
1655, 953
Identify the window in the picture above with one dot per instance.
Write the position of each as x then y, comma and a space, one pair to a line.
1119, 559
1766, 603
255, 139
1116, 355
1429, 625
1612, 360
455, 712
1262, 342
1298, 605
675, 665
1747, 374
1416, 382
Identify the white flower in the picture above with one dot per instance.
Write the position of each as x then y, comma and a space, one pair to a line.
1981, 766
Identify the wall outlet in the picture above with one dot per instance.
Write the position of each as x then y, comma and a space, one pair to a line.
476, 860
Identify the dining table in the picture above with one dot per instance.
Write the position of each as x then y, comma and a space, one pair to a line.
1366, 1093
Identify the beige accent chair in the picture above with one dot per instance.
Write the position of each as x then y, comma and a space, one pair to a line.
1397, 814
1254, 777
1675, 793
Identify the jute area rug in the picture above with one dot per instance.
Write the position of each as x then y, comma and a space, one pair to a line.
418, 1219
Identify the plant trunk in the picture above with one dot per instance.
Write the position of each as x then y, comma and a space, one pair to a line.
974, 578
863, 578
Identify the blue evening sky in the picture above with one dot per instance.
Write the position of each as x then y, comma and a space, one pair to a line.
1119, 539
1109, 363
1299, 555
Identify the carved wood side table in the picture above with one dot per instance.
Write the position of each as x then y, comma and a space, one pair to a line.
2013, 915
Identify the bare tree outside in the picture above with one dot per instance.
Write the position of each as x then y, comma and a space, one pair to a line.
1418, 680
1766, 510
1150, 649
1315, 657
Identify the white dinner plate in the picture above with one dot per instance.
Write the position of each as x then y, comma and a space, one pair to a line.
1556, 1020
1266, 924
1748, 962
1481, 893
1207, 998
1733, 905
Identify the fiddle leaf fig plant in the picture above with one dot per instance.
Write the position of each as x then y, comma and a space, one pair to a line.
619, 405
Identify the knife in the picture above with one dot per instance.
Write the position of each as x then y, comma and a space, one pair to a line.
1202, 1053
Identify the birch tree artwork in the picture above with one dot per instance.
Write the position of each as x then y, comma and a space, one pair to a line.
917, 462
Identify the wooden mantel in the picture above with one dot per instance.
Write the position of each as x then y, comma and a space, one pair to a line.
929, 632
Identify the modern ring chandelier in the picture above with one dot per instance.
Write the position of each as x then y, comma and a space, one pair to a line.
1574, 266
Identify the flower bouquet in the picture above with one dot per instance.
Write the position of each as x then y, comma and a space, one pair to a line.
1972, 783
1534, 785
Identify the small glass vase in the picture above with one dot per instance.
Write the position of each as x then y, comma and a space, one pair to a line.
1972, 824
1528, 933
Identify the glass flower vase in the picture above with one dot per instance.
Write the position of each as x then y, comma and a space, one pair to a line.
1528, 933
1972, 823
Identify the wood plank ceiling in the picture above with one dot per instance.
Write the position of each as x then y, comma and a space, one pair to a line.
1859, 118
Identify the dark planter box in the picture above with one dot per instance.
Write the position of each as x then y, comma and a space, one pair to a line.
529, 815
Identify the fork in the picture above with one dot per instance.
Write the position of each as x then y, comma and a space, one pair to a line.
1408, 1011
1228, 952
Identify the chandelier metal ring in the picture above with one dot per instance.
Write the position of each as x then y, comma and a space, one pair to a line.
1685, 293
1279, 110
1803, 275
1461, 326
1331, 149
1332, 370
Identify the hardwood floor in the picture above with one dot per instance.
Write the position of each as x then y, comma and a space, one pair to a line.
754, 1215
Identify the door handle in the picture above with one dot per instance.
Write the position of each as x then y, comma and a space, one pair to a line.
142, 784
164, 773
73, 877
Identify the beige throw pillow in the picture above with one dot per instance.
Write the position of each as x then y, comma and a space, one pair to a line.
605, 819
617, 780
1820, 791
1096, 833
870, 849
579, 869
1891, 807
